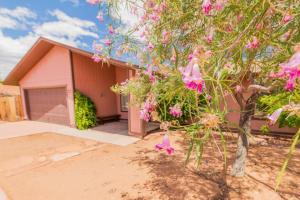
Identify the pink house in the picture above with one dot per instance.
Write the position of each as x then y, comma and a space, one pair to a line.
49, 74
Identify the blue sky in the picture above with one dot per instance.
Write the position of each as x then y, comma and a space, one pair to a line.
68, 21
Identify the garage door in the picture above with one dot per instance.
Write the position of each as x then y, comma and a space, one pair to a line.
47, 105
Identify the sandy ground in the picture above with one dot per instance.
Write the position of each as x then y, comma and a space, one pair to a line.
102, 171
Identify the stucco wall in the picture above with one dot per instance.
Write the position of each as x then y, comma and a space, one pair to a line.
53, 70
121, 76
95, 80
136, 126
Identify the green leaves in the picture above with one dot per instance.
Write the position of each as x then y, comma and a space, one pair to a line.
295, 141
269, 103
85, 112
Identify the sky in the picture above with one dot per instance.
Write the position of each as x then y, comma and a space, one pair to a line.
72, 22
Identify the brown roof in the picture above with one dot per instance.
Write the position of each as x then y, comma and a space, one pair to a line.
38, 50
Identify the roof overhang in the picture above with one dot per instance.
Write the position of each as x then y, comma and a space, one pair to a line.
39, 49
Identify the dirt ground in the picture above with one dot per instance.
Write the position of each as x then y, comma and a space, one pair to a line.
37, 167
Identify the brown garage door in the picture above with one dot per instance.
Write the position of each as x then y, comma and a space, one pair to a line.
47, 105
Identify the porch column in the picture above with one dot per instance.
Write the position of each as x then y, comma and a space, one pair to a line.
136, 126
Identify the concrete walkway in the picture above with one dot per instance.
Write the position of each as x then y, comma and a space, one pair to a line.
22, 128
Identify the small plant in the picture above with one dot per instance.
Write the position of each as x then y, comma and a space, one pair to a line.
85, 112
265, 129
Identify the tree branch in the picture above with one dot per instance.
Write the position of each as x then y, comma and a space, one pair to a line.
259, 88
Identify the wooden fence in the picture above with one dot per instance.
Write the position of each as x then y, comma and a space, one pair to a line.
11, 108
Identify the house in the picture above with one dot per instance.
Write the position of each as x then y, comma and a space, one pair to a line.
50, 73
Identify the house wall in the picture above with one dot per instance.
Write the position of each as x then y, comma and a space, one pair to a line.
53, 70
94, 80
121, 76
136, 126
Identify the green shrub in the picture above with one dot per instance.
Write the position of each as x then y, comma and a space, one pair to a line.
85, 111
265, 129
269, 103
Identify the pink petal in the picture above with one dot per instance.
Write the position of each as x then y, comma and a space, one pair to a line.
170, 150
165, 145
274, 116
158, 147
196, 74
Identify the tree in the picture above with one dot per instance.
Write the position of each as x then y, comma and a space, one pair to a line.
202, 51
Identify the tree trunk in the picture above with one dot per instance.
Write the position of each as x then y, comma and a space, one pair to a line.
247, 112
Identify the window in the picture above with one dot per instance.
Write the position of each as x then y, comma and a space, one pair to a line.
124, 103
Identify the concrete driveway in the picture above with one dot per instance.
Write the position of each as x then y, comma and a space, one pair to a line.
23, 128
30, 145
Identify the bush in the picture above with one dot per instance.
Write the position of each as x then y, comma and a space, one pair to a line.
269, 103
85, 111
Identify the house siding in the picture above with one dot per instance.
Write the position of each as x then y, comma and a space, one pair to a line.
94, 80
53, 70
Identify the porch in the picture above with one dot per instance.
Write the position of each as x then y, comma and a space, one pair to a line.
121, 127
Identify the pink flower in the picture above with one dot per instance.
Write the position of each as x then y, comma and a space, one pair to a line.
208, 53
175, 111
228, 65
253, 44
145, 115
238, 89
274, 116
219, 5
193, 55
107, 42
149, 72
163, 6
165, 145
208, 97
239, 17
147, 108
287, 18
191, 76
111, 30
154, 16
290, 69
142, 35
150, 46
96, 58
149, 4
206, 7
209, 38
93, 2
190, 57
290, 84
100, 17
229, 28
